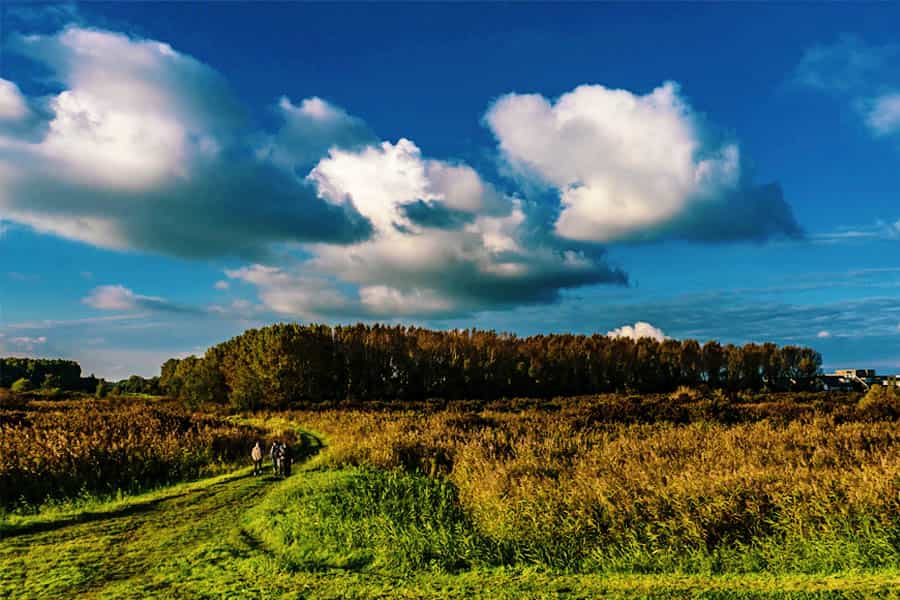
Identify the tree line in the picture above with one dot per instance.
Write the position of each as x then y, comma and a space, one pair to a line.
44, 373
288, 364
27, 374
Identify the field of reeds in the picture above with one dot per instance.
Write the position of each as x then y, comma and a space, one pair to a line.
780, 484
693, 493
56, 450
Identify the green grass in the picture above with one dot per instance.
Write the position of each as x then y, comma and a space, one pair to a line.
325, 534
367, 521
88, 507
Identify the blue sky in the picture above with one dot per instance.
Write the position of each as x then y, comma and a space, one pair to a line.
172, 174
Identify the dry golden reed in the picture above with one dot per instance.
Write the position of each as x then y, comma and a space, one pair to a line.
562, 489
62, 449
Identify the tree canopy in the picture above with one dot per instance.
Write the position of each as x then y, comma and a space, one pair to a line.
288, 364
43, 372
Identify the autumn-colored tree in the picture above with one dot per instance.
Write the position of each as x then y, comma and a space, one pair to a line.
286, 364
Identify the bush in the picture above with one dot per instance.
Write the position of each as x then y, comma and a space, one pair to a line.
685, 394
51, 382
880, 402
22, 385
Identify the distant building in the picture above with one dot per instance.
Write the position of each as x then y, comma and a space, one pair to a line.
838, 383
856, 379
887, 380
860, 373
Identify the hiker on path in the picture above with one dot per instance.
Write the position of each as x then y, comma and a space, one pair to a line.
275, 452
286, 460
257, 455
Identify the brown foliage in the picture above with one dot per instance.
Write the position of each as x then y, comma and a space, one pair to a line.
533, 477
59, 449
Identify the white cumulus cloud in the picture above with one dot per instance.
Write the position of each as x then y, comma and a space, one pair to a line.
142, 147
443, 242
113, 297
293, 293
147, 148
629, 166
637, 331
443, 238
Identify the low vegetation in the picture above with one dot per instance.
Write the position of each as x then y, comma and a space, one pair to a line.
736, 495
62, 449
569, 486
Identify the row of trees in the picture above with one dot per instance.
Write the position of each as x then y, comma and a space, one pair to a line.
33, 373
24, 374
133, 385
289, 363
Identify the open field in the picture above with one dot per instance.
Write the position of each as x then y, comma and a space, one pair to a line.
567, 486
214, 539
567, 498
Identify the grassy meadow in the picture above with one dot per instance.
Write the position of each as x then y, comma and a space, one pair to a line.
680, 495
781, 488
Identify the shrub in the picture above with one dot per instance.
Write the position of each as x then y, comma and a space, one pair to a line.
22, 385
51, 382
685, 394
880, 402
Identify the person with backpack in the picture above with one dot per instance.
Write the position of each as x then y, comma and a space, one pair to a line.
257, 455
286, 460
274, 452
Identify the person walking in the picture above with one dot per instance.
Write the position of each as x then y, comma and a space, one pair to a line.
274, 453
257, 455
286, 460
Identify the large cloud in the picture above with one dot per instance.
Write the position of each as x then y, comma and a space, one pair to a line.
144, 148
631, 167
147, 148
444, 241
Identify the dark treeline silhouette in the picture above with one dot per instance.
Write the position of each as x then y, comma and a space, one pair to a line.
288, 364
45, 373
